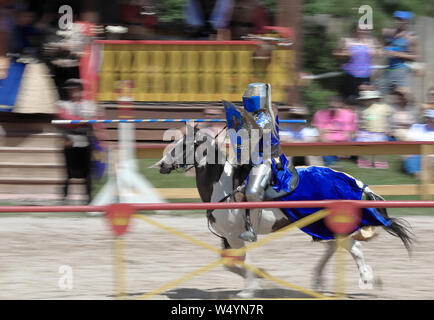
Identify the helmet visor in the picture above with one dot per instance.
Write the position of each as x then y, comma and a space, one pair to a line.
252, 104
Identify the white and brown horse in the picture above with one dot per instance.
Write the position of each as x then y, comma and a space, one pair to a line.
215, 181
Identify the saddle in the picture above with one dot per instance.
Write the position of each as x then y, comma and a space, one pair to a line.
271, 194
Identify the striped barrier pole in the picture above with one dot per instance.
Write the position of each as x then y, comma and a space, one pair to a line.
151, 121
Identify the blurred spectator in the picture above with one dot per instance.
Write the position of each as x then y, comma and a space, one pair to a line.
373, 126
401, 47
248, 17
299, 132
420, 132
352, 103
140, 16
63, 54
77, 138
335, 124
358, 50
4, 66
429, 99
6, 26
403, 116
198, 16
24, 38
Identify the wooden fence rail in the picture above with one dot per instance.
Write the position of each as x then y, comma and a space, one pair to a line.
425, 189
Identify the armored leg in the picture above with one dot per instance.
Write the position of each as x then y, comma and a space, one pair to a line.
258, 180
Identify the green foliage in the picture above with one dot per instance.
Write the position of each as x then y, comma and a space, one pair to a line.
171, 10
315, 96
317, 49
318, 58
349, 8
270, 5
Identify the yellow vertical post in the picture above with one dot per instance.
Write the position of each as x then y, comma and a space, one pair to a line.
341, 243
118, 254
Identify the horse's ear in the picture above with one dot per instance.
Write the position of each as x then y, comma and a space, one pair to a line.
189, 125
156, 165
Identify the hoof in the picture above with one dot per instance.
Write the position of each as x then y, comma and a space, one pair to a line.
366, 284
249, 236
366, 280
318, 284
246, 294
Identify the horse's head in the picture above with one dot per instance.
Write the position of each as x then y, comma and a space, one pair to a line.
186, 151
176, 158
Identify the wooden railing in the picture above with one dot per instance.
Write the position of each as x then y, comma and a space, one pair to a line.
425, 189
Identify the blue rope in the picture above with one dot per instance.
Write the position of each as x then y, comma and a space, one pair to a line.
152, 121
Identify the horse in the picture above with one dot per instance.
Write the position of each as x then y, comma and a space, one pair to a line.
214, 182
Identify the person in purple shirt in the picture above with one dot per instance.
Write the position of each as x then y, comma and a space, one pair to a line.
358, 51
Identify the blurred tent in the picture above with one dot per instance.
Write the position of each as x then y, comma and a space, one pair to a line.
27, 88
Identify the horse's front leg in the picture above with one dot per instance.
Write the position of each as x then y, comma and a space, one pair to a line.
252, 280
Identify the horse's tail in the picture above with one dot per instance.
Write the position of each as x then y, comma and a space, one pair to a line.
398, 227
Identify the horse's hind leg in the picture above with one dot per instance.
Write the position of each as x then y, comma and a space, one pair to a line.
366, 275
318, 282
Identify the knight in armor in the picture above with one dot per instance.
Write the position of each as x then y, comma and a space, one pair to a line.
258, 115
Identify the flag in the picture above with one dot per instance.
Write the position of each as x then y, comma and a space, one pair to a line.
99, 162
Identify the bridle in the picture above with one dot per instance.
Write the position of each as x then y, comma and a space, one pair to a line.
185, 167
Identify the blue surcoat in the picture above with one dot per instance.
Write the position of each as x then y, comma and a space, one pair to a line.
321, 183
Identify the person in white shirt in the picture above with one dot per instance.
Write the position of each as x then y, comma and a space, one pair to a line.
77, 138
420, 132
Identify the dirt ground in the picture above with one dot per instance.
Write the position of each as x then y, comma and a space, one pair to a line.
34, 248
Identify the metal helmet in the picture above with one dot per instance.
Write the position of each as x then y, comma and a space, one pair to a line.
255, 97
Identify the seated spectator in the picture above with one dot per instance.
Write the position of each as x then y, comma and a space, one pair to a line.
140, 16
335, 124
403, 116
299, 132
373, 126
420, 132
429, 100
199, 16
248, 17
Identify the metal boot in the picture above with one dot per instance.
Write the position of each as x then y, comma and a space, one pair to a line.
250, 234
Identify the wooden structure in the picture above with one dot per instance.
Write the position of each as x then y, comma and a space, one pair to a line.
194, 71
425, 189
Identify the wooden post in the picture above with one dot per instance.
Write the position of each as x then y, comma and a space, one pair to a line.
118, 254
289, 14
426, 174
340, 266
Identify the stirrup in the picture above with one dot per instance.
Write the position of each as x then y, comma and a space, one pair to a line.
249, 235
